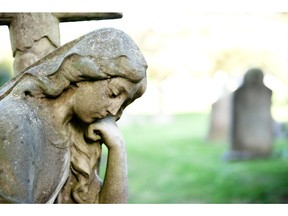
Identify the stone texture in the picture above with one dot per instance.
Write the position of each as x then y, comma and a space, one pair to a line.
252, 133
56, 115
33, 35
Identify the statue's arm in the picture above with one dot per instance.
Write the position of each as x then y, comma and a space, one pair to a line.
115, 185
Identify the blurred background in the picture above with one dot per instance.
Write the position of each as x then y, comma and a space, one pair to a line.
195, 58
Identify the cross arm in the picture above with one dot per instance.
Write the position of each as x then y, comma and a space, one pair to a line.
6, 18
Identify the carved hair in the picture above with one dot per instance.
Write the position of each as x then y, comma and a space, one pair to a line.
102, 54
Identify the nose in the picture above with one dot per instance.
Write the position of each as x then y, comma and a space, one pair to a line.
116, 107
116, 113
113, 109
119, 114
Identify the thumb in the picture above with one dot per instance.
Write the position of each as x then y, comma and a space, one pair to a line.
92, 133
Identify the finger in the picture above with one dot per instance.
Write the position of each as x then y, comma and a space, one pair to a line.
95, 137
93, 134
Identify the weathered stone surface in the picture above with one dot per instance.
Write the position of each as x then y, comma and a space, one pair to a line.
33, 35
252, 133
57, 113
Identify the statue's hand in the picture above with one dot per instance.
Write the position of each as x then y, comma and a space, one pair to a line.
106, 130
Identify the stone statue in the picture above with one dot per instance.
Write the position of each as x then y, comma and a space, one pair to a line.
56, 114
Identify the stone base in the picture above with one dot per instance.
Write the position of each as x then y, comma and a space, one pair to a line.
244, 155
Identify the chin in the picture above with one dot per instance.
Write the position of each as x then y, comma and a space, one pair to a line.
116, 118
88, 120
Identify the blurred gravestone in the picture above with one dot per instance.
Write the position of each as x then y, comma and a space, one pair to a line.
220, 119
251, 125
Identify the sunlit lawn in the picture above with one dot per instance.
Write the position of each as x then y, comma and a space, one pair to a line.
173, 163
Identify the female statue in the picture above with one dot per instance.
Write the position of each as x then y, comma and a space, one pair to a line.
56, 114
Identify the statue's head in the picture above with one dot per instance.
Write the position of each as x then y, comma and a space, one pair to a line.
108, 56
101, 54
109, 53
112, 59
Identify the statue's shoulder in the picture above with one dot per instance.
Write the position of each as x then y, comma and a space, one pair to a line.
18, 118
20, 135
16, 111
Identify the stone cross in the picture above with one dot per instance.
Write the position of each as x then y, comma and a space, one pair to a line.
251, 123
34, 35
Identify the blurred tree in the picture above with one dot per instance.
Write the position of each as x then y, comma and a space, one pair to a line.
5, 72
152, 44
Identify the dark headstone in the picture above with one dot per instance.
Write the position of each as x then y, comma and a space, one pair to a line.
252, 124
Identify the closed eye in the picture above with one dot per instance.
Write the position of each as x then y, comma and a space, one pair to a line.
113, 95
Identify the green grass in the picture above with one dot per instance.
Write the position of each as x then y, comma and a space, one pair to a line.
173, 163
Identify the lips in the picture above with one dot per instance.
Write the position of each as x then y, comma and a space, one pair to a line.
102, 115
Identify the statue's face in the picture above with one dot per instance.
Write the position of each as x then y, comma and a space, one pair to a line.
98, 99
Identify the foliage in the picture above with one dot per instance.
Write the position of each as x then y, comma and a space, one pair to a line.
5, 72
173, 163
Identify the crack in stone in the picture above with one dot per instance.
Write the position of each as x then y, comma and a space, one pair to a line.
26, 49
